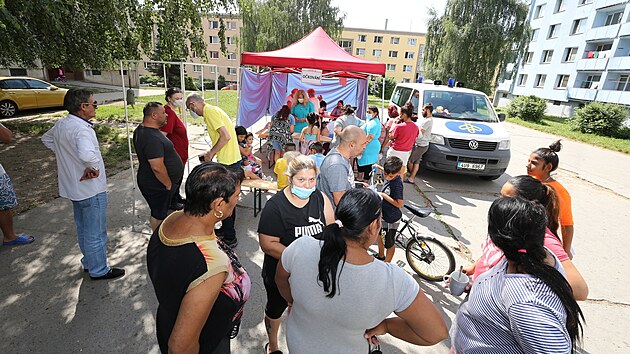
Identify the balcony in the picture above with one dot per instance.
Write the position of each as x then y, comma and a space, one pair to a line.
581, 94
505, 86
622, 97
592, 64
605, 32
625, 29
605, 3
619, 64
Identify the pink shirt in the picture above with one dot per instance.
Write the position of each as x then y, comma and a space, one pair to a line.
404, 135
492, 254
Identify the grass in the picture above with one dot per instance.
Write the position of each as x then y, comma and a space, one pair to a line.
560, 126
376, 101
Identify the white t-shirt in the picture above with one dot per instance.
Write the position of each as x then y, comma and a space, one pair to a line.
426, 124
366, 295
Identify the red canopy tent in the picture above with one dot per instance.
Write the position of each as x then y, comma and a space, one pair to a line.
315, 51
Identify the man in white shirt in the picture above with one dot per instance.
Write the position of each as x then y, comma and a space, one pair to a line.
81, 176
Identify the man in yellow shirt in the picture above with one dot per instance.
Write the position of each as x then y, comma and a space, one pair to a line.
224, 147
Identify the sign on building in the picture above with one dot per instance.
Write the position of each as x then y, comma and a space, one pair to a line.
312, 76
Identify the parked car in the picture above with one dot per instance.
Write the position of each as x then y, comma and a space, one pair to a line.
22, 93
468, 136
230, 87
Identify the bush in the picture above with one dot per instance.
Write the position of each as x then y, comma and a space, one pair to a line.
151, 80
599, 118
529, 108
174, 81
376, 87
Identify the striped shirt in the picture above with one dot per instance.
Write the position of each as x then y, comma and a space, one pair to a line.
511, 313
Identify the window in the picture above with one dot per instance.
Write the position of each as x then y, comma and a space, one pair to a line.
17, 72
231, 56
36, 84
624, 83
378, 39
214, 39
540, 80
578, 26
540, 11
411, 41
603, 47
361, 38
96, 72
346, 45
546, 56
522, 79
146, 65
401, 95
197, 68
591, 82
559, 6
562, 81
569, 55
407, 68
13, 84
614, 18
213, 54
394, 40
377, 52
361, 51
406, 80
584, 2
231, 25
528, 58
213, 24
535, 35
409, 55
230, 40
193, 55
391, 67
231, 71
393, 54
553, 31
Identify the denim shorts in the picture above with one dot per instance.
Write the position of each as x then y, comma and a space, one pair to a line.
275, 145
8, 200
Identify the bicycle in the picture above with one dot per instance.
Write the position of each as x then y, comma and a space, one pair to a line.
427, 256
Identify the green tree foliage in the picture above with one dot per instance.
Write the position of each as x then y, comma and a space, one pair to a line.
274, 24
475, 39
599, 118
530, 108
98, 33
376, 87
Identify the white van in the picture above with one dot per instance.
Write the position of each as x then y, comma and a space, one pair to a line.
468, 137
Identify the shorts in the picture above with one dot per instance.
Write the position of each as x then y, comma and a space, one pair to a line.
276, 304
389, 233
8, 199
403, 155
275, 145
159, 201
417, 153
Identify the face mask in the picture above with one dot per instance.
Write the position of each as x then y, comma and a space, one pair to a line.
193, 114
300, 100
359, 157
178, 103
302, 193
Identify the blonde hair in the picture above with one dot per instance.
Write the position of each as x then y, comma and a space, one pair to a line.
300, 93
298, 163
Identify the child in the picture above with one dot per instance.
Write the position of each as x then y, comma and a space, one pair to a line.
310, 133
252, 169
250, 143
392, 193
282, 163
317, 150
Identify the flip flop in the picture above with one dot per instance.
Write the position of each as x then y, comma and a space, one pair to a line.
20, 240
267, 347
408, 181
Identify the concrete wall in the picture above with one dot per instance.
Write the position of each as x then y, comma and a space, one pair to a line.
37, 73
111, 77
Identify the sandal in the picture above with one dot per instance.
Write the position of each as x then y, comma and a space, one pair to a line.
20, 240
267, 347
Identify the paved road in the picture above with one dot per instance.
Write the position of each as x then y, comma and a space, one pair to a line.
48, 305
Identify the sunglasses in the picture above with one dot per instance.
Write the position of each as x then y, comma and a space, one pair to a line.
91, 104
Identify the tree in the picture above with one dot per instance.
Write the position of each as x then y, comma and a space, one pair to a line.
475, 39
97, 33
274, 24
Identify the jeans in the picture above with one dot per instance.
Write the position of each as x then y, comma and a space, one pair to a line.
89, 215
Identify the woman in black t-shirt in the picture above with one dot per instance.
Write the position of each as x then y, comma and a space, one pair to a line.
298, 210
200, 285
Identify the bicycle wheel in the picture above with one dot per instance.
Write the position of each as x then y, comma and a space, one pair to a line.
430, 259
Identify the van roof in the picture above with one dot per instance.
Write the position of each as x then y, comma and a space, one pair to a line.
431, 86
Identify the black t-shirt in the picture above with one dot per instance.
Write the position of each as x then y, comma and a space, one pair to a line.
150, 143
284, 220
394, 189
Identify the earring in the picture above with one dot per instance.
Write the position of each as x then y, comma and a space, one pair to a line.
219, 215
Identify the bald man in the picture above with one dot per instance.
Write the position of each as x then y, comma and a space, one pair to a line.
336, 175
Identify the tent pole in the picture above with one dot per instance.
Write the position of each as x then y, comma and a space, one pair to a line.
165, 83
133, 174
182, 84
383, 95
216, 85
239, 72
203, 90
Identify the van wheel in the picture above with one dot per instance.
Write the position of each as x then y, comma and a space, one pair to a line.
489, 178
7, 109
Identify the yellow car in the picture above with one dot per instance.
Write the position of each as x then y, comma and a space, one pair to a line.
20, 93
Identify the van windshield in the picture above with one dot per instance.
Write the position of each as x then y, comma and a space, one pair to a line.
460, 106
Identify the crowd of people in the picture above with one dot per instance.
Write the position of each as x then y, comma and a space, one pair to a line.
316, 233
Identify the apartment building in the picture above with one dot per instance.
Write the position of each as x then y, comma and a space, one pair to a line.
579, 52
227, 63
402, 52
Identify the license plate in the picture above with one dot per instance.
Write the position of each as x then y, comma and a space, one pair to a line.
471, 166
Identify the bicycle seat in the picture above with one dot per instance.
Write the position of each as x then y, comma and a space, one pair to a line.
421, 212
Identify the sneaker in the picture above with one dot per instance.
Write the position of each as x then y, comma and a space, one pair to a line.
112, 274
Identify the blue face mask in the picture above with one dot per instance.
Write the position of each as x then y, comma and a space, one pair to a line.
302, 193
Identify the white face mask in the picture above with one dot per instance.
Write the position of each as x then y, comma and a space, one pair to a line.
193, 114
178, 103
300, 100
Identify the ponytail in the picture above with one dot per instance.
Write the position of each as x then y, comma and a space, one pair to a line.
529, 188
333, 251
552, 207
